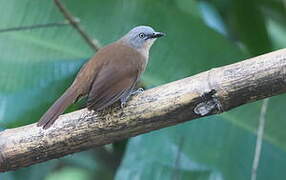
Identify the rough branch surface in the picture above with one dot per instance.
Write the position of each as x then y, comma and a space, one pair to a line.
210, 92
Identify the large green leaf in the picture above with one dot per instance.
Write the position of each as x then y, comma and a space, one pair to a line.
46, 58
205, 149
221, 147
37, 65
38, 171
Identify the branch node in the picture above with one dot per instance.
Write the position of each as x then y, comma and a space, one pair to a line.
210, 104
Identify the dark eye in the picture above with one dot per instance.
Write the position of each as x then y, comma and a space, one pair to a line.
142, 35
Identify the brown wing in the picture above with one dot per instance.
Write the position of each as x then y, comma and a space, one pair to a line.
116, 78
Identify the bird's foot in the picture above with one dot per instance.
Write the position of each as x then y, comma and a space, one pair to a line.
123, 100
138, 91
123, 104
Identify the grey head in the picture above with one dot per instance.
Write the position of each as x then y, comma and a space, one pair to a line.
141, 38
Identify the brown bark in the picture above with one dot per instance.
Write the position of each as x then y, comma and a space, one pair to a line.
222, 88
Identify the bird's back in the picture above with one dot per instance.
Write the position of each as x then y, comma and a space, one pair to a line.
116, 57
117, 68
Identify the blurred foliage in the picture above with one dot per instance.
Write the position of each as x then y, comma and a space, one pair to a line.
37, 65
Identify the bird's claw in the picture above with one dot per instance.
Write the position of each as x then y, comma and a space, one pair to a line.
125, 98
138, 91
123, 104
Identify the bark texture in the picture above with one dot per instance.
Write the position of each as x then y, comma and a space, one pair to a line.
211, 92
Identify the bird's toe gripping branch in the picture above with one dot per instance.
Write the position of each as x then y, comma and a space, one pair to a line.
209, 104
138, 91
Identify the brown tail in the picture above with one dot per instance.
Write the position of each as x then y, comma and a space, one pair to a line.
58, 108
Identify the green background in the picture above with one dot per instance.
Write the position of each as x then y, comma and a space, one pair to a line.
37, 65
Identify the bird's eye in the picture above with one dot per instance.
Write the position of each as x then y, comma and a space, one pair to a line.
142, 35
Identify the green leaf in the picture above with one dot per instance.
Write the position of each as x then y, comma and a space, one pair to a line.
36, 66
277, 34
209, 148
36, 172
68, 173
38, 73
220, 147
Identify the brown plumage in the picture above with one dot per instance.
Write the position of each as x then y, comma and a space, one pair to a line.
107, 77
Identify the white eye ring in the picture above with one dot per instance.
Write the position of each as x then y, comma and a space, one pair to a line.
142, 35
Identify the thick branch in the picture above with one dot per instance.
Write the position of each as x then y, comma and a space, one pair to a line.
224, 88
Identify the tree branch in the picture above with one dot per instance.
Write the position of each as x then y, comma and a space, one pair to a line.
35, 26
222, 88
74, 23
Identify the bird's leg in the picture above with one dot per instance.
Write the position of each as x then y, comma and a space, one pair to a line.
124, 98
123, 101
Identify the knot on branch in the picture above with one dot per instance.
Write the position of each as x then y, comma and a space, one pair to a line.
210, 104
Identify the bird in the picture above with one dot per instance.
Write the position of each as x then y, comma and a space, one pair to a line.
109, 76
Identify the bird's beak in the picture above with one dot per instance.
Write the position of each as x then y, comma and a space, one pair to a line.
157, 35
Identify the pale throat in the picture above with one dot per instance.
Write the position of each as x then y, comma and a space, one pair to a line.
142, 49
146, 48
